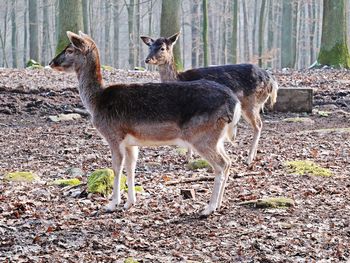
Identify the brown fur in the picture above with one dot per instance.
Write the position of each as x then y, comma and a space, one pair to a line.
194, 113
252, 85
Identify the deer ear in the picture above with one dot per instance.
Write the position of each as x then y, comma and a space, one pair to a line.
76, 40
147, 40
174, 38
82, 34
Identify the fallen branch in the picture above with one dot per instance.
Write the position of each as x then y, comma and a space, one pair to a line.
207, 178
191, 180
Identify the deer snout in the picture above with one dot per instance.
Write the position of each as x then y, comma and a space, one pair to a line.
148, 60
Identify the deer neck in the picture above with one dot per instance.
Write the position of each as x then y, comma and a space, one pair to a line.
90, 81
168, 72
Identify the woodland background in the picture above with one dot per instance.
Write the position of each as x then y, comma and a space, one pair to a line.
29, 29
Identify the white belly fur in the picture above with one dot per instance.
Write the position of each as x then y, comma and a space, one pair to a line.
130, 140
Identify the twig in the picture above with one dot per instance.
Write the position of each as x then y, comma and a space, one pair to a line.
191, 180
55, 133
207, 178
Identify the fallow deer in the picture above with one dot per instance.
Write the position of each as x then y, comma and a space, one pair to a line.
252, 85
195, 114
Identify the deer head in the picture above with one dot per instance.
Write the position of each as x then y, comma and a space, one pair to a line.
161, 49
75, 54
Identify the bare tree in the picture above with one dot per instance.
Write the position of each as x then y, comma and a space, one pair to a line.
86, 20
13, 34
116, 33
170, 24
234, 31
45, 47
205, 33
195, 33
334, 47
261, 30
33, 30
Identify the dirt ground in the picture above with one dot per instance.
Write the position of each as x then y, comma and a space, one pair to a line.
40, 222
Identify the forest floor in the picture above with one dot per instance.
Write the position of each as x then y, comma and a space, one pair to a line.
40, 222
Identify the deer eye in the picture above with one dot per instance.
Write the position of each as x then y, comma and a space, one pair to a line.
162, 48
69, 51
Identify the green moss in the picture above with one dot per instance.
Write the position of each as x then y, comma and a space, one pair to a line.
272, 202
298, 119
337, 57
32, 64
324, 113
139, 68
130, 260
198, 164
307, 168
101, 181
182, 151
67, 182
108, 68
21, 177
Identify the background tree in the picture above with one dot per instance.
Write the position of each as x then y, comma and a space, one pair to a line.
33, 30
45, 50
131, 17
205, 33
70, 18
14, 34
261, 30
288, 35
334, 47
234, 31
86, 16
170, 24
194, 33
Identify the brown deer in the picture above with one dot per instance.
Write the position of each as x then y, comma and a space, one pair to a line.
193, 114
252, 85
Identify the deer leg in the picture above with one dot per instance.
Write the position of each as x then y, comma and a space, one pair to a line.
130, 165
226, 171
255, 121
117, 164
232, 132
220, 165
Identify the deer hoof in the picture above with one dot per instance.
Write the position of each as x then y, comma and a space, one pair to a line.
110, 207
207, 211
128, 205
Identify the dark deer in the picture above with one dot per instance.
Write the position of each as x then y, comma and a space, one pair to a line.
252, 85
193, 114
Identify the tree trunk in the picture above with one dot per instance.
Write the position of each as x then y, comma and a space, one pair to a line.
312, 17
116, 33
86, 16
194, 33
131, 8
33, 30
107, 23
25, 37
223, 49
139, 55
170, 24
246, 32
205, 33
261, 31
270, 33
14, 34
45, 47
334, 49
287, 51
234, 32
70, 19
